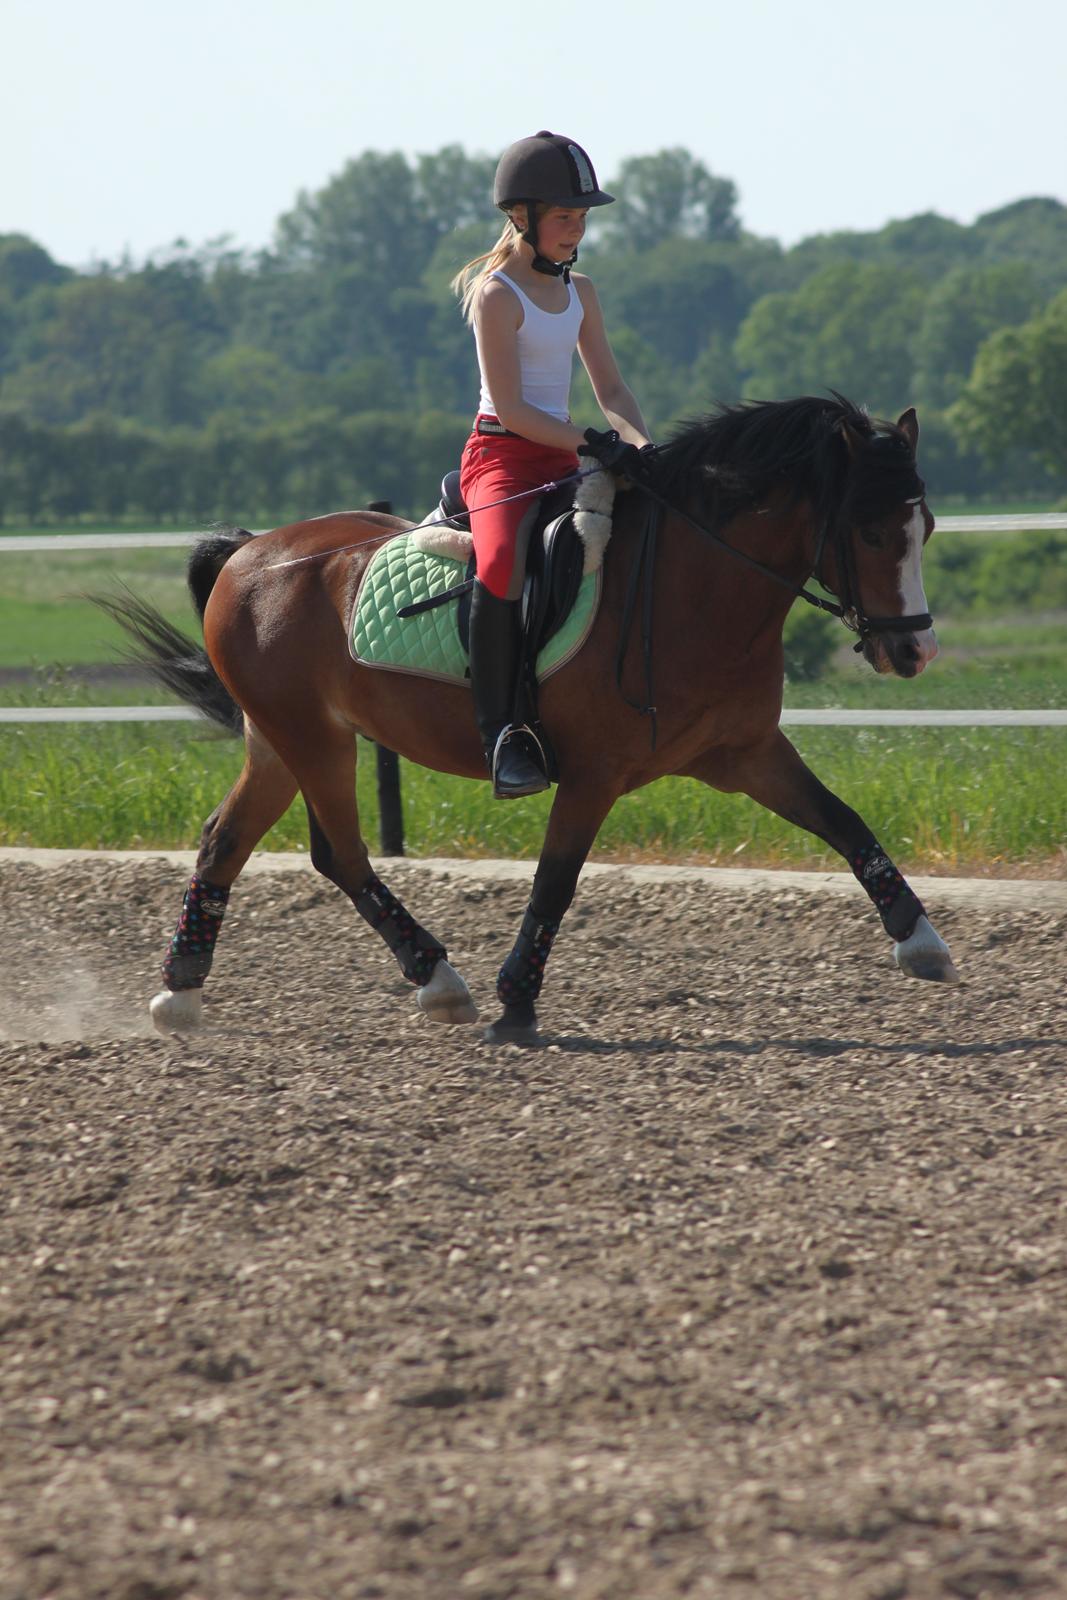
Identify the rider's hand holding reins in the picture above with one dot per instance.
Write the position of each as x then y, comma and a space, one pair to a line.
613, 453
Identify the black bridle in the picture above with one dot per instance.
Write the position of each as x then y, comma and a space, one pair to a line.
849, 607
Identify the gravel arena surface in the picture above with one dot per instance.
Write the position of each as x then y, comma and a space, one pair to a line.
750, 1283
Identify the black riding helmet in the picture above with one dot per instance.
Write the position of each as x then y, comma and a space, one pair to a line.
550, 169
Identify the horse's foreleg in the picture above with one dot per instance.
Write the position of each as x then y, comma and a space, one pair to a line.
327, 778
572, 827
776, 777
261, 795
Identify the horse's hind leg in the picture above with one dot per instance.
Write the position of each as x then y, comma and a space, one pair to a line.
263, 793
776, 777
325, 766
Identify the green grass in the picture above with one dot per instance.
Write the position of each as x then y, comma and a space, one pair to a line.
45, 618
943, 800
982, 663
123, 525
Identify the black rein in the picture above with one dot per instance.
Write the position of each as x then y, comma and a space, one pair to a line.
850, 611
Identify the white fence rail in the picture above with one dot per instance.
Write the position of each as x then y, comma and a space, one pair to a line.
1038, 521
828, 717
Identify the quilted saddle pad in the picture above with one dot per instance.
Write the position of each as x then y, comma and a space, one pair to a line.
428, 644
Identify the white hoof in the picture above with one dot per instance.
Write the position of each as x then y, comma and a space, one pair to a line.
446, 997
924, 954
178, 1010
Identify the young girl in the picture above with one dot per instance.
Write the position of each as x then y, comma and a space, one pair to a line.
529, 314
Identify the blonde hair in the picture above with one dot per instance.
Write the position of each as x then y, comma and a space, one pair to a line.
469, 279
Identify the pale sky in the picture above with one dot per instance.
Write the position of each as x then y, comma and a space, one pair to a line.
126, 124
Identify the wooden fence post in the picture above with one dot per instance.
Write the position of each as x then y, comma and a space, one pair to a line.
390, 808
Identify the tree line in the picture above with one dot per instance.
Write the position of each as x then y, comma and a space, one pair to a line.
333, 367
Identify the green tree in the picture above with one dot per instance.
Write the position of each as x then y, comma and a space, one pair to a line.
961, 312
1016, 397
313, 320
336, 368
25, 266
455, 191
848, 328
668, 195
26, 450
254, 385
675, 295
91, 355
365, 215
653, 380
927, 245
385, 215
809, 642
126, 346
1032, 230
714, 379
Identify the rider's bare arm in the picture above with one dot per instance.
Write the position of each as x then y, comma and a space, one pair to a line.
613, 396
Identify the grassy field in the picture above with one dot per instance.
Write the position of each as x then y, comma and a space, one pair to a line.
941, 801
984, 799
45, 619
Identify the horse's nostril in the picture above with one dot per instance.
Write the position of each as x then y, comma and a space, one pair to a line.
905, 656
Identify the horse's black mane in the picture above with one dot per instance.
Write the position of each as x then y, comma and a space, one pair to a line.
742, 452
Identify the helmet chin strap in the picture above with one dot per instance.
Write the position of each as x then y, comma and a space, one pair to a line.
541, 263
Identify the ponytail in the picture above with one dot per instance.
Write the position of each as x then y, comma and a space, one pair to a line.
469, 279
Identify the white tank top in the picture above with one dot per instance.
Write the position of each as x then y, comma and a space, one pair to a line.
547, 342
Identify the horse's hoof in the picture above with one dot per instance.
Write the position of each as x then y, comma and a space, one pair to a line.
924, 954
177, 1010
934, 968
446, 997
504, 1031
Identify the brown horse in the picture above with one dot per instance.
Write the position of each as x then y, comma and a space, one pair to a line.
758, 498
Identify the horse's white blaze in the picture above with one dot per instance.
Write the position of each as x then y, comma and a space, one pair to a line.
446, 997
910, 583
177, 1010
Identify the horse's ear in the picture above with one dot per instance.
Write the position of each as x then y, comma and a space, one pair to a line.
908, 423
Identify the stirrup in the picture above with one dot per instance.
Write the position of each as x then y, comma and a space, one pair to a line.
536, 779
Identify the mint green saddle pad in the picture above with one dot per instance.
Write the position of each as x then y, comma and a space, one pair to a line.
428, 643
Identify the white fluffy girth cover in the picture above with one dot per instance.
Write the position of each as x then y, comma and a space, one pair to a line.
593, 501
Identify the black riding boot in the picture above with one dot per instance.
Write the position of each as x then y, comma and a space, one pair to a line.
513, 754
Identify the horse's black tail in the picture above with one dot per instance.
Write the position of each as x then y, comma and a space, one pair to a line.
173, 659
210, 554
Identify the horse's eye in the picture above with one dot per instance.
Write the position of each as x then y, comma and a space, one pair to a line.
873, 536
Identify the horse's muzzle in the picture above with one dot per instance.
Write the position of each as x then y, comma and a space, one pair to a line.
904, 655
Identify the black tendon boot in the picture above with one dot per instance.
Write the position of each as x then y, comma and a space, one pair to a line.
513, 754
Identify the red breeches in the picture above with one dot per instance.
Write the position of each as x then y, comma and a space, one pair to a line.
494, 468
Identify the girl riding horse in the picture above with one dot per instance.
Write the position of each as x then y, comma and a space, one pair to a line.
754, 500
530, 313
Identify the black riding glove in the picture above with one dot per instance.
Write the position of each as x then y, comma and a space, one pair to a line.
613, 453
